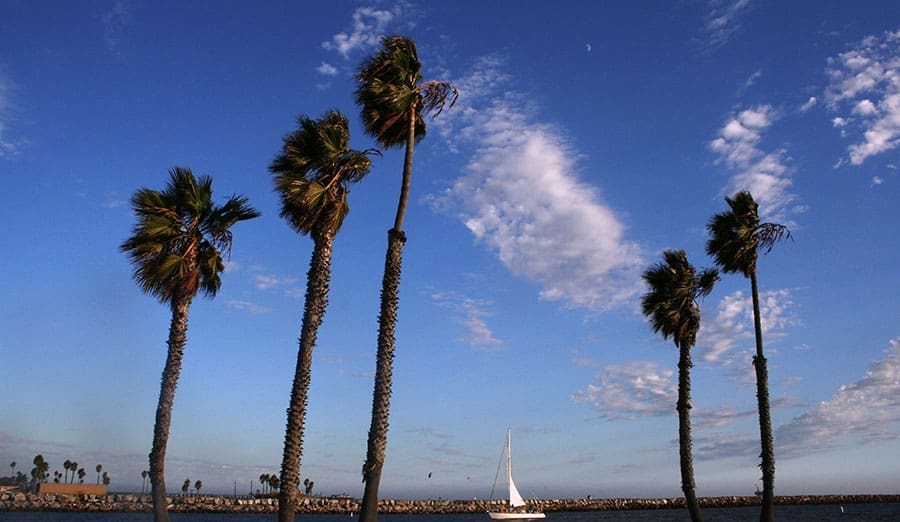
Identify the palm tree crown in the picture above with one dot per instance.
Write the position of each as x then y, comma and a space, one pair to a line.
391, 90
737, 236
314, 171
180, 235
671, 303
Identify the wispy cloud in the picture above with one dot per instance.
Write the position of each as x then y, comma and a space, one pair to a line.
635, 389
865, 89
724, 445
8, 147
809, 104
326, 69
471, 314
115, 22
722, 20
271, 282
247, 306
730, 334
869, 408
369, 24
765, 175
521, 197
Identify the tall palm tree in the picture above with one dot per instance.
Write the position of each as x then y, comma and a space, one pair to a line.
313, 174
176, 250
67, 465
393, 102
99, 469
671, 304
736, 237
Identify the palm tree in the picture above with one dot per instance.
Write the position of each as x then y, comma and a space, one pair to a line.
67, 465
393, 101
81, 475
736, 237
143, 481
264, 482
671, 304
12, 468
313, 174
185, 486
74, 466
99, 469
176, 251
197, 486
39, 472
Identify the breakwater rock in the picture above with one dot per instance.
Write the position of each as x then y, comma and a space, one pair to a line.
18, 501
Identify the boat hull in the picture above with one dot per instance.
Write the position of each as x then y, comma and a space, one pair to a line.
516, 516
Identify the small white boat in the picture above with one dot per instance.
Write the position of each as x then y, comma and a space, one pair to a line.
515, 499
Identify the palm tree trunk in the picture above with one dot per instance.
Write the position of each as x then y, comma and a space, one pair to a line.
684, 432
381, 396
387, 322
765, 421
176, 342
317, 283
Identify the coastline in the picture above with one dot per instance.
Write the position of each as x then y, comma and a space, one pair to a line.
119, 502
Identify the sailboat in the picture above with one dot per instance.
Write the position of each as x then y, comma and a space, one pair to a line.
515, 499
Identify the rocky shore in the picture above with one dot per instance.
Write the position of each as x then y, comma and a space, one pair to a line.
17, 501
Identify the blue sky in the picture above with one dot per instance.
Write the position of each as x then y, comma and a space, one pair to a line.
587, 139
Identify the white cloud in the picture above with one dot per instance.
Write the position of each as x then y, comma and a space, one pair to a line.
866, 81
810, 103
369, 24
635, 389
721, 20
326, 69
765, 175
838, 122
877, 180
471, 314
247, 306
269, 282
869, 408
520, 196
730, 334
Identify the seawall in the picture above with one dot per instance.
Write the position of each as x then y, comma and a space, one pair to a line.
18, 501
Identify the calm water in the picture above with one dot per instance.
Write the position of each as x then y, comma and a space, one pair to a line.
852, 512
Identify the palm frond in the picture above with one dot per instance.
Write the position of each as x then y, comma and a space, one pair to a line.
313, 171
671, 302
736, 235
175, 244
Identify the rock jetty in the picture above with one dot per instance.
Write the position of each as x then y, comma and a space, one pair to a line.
18, 501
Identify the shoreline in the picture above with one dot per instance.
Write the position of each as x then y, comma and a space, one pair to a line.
119, 502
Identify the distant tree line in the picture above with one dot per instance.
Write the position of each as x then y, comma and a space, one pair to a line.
41, 473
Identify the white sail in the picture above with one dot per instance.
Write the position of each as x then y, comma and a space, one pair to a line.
515, 499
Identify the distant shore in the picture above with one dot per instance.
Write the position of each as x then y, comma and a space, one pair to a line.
118, 502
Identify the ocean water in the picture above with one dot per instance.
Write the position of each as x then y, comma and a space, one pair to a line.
826, 513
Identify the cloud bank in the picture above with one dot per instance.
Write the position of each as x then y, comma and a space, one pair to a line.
869, 409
